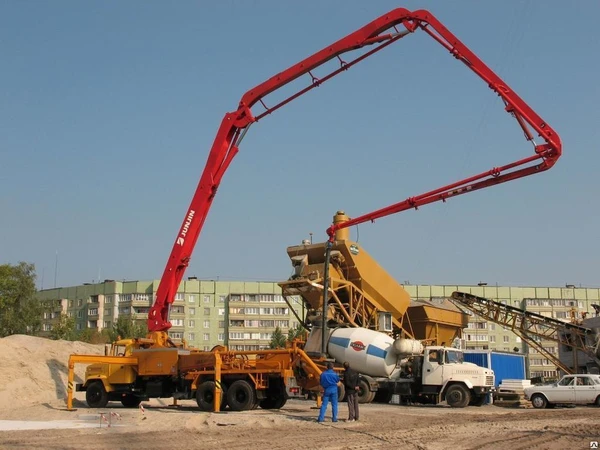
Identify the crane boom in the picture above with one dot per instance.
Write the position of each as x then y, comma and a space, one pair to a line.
379, 33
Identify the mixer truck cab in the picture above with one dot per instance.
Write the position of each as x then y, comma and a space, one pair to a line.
445, 376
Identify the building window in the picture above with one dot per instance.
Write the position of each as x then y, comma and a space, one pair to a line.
207, 299
47, 327
221, 311
207, 311
192, 311
191, 298
221, 324
177, 322
477, 337
107, 324
207, 324
221, 337
505, 338
176, 335
80, 314
191, 323
206, 336
108, 299
191, 336
179, 296
222, 298
492, 339
70, 303
93, 312
79, 302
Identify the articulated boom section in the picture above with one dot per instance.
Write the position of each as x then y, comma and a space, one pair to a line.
378, 34
532, 327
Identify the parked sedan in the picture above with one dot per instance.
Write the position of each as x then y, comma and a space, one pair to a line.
579, 389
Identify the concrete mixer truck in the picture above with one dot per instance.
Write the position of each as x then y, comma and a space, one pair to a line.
388, 366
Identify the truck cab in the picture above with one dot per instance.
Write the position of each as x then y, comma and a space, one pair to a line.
447, 377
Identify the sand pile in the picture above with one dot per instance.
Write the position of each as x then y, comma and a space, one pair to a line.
35, 370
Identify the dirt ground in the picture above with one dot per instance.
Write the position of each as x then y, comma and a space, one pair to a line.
381, 426
33, 375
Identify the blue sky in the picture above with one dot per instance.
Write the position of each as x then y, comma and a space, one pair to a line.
108, 110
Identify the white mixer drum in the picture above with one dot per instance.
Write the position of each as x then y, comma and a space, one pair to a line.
367, 351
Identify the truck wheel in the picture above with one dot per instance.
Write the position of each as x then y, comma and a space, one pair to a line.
205, 396
539, 401
458, 396
240, 396
95, 395
364, 392
130, 401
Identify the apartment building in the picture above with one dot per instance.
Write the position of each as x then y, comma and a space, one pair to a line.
242, 315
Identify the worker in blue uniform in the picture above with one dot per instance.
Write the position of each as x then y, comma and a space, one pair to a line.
329, 382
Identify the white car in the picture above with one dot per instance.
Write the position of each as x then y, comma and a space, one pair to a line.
571, 389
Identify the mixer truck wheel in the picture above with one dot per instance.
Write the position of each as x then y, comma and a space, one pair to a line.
240, 396
458, 396
364, 391
95, 395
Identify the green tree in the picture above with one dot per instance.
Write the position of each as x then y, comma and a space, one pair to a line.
64, 329
20, 311
277, 339
93, 336
296, 332
127, 327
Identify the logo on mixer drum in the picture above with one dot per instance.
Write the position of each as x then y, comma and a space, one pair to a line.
358, 346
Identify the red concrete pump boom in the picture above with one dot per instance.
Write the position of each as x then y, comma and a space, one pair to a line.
379, 33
